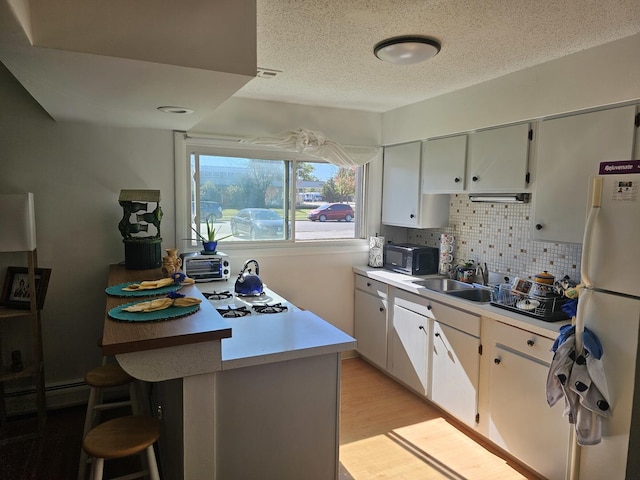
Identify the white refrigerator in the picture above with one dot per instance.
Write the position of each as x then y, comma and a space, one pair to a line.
610, 307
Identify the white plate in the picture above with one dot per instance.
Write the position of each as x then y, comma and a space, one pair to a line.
528, 304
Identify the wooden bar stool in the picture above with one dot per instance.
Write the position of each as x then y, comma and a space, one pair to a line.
105, 376
123, 437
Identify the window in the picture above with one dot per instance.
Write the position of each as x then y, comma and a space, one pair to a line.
256, 194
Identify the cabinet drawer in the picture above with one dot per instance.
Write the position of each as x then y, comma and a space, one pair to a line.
463, 321
374, 287
414, 303
459, 319
523, 341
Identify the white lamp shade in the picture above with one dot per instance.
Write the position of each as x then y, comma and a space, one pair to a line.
17, 222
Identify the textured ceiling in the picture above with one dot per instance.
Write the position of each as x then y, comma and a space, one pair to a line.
324, 48
114, 62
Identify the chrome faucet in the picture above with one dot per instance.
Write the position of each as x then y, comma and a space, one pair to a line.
482, 272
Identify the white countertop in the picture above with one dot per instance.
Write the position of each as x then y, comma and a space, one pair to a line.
281, 336
405, 282
264, 338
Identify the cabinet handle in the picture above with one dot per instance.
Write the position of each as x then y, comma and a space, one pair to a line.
368, 284
457, 179
420, 327
412, 216
475, 178
382, 309
437, 334
497, 361
531, 343
538, 226
428, 307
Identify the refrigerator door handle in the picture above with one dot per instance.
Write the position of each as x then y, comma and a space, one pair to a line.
596, 201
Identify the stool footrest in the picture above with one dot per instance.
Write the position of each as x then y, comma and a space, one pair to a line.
110, 405
132, 476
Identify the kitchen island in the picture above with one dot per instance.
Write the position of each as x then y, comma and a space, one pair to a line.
260, 401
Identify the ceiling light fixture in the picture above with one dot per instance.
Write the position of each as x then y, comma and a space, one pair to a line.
175, 110
406, 50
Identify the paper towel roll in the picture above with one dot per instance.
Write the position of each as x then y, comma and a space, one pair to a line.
376, 245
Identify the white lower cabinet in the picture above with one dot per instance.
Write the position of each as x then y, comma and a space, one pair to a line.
455, 368
370, 317
520, 420
435, 351
409, 338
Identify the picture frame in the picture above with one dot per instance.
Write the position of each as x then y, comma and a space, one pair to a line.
15, 293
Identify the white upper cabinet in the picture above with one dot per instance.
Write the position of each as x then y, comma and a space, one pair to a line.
568, 153
443, 164
403, 203
497, 160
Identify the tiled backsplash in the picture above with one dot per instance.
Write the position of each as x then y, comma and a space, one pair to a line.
500, 235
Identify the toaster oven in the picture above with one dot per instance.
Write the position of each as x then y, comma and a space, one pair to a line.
206, 268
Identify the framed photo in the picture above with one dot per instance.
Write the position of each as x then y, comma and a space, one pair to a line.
16, 293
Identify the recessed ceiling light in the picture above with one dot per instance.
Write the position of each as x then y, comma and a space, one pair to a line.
175, 110
406, 50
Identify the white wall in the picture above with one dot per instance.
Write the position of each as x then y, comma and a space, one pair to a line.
76, 172
599, 76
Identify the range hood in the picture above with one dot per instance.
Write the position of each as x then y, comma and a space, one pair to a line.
500, 197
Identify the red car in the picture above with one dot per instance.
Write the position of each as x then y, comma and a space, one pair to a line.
331, 211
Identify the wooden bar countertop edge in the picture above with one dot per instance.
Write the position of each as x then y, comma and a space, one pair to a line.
125, 337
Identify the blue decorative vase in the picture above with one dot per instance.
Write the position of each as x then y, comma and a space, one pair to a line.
210, 247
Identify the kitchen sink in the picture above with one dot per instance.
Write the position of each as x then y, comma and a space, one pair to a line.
445, 285
479, 295
456, 289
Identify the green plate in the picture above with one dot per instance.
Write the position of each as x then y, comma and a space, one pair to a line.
117, 313
117, 290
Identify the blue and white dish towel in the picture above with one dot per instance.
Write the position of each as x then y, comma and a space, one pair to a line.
579, 378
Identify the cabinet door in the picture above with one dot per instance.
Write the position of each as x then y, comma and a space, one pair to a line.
371, 327
409, 348
455, 372
527, 428
443, 164
401, 195
497, 160
569, 151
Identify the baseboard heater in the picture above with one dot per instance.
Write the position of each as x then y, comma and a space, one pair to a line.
21, 401
500, 198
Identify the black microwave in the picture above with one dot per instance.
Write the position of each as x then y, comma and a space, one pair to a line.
411, 259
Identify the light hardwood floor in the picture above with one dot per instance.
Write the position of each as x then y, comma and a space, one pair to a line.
388, 432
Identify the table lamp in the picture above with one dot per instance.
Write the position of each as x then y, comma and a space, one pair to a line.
17, 222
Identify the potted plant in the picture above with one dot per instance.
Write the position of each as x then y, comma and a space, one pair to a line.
465, 271
210, 242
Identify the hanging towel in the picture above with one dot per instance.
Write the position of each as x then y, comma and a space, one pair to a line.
579, 378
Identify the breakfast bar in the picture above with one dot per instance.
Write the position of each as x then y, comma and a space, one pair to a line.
238, 398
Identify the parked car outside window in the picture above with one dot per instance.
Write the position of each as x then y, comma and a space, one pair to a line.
332, 211
257, 223
313, 197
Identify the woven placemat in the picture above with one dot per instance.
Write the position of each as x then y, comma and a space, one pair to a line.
117, 313
117, 290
